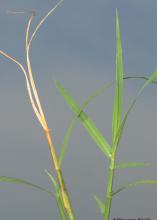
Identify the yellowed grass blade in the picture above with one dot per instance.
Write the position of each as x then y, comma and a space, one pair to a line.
42, 21
27, 83
33, 86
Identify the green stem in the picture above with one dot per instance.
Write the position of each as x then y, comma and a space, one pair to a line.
65, 196
61, 209
64, 193
109, 189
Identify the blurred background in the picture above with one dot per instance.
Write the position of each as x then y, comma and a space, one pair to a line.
76, 45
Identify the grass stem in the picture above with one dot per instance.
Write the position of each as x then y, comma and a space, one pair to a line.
109, 189
37, 107
64, 192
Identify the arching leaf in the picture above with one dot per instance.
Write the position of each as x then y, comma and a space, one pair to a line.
74, 119
23, 182
131, 164
135, 183
57, 196
86, 121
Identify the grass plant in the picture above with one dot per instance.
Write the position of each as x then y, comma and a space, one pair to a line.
61, 195
109, 150
118, 124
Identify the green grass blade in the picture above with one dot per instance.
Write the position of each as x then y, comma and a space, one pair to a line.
121, 128
85, 104
96, 93
57, 196
66, 139
74, 119
135, 183
54, 182
117, 110
151, 79
23, 182
131, 164
86, 121
100, 204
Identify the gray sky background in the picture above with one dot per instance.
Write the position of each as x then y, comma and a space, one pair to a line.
77, 46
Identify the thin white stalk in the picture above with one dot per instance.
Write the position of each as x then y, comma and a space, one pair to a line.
33, 86
42, 21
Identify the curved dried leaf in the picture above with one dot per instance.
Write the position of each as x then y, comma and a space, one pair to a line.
42, 21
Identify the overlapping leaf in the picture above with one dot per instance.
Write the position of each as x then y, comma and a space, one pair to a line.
86, 121
151, 79
57, 196
74, 119
117, 125
84, 105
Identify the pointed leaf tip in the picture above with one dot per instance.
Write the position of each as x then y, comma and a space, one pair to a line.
23, 182
117, 109
135, 183
100, 204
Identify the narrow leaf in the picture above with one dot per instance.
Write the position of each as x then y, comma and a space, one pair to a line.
21, 181
151, 79
120, 130
86, 121
117, 110
131, 164
97, 92
139, 77
55, 184
74, 119
100, 204
135, 183
57, 196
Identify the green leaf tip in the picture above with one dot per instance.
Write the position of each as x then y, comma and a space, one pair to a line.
117, 109
22, 181
150, 79
117, 14
58, 196
100, 204
135, 183
52, 179
132, 164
